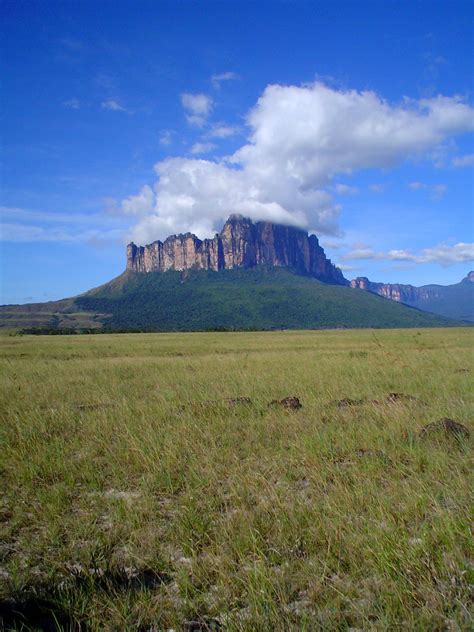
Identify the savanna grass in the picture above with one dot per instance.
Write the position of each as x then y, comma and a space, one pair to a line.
120, 456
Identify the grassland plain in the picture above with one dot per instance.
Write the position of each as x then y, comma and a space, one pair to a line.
137, 496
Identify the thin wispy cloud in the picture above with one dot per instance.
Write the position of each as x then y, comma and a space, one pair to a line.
222, 130
113, 105
29, 233
166, 137
202, 148
73, 44
417, 186
330, 243
442, 254
438, 190
198, 108
72, 104
435, 190
463, 161
377, 188
360, 252
346, 268
432, 71
345, 189
28, 215
26, 225
106, 81
216, 80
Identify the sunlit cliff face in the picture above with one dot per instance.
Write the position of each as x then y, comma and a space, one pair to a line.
241, 243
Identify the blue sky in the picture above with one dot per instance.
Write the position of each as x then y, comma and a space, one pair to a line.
126, 120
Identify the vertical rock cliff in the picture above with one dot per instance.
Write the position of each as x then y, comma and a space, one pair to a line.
412, 295
241, 243
396, 291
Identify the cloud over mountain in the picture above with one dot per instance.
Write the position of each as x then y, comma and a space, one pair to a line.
300, 138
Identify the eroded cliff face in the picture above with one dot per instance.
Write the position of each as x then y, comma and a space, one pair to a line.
393, 291
454, 301
241, 243
402, 293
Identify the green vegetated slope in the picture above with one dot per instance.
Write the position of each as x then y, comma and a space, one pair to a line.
139, 493
243, 298
453, 301
50, 315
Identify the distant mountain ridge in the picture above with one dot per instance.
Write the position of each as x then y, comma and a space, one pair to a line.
240, 244
454, 301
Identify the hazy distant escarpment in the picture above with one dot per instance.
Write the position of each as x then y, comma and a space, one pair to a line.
454, 301
240, 244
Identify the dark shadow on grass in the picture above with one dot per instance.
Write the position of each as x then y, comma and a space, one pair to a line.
41, 609
36, 614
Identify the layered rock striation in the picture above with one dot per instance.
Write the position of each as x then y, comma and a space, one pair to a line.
241, 243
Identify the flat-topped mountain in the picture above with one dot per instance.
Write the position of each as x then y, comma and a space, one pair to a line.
240, 244
454, 301
251, 275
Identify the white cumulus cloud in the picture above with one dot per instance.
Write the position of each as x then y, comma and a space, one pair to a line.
300, 138
140, 204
